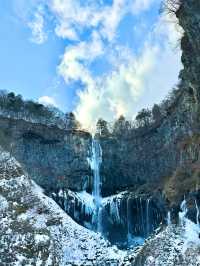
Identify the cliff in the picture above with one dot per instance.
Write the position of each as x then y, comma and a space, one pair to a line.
55, 158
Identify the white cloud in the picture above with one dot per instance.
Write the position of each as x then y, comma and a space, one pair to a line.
139, 82
39, 35
47, 101
141, 5
73, 17
75, 60
117, 93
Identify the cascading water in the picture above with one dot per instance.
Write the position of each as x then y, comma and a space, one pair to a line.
95, 163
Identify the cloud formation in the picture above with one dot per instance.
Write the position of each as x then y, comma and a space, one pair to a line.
73, 17
47, 101
39, 35
134, 79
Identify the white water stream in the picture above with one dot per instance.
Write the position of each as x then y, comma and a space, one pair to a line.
95, 163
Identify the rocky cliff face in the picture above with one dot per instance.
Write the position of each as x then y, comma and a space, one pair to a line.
188, 16
147, 156
56, 158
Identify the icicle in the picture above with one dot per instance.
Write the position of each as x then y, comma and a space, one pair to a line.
114, 210
142, 218
128, 223
147, 217
182, 214
169, 218
197, 216
99, 219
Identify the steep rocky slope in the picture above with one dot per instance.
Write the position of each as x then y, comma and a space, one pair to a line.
35, 231
175, 245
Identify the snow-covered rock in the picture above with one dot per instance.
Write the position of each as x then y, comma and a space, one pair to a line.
174, 246
36, 231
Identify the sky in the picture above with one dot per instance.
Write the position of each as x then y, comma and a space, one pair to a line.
97, 58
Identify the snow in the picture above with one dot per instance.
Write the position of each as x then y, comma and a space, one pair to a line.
41, 239
47, 225
3, 204
32, 219
191, 230
190, 235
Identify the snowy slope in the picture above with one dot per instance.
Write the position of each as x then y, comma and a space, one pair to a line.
35, 231
174, 246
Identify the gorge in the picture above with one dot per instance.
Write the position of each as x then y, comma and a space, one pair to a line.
129, 195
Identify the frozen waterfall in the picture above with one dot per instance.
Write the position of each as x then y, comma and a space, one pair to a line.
183, 212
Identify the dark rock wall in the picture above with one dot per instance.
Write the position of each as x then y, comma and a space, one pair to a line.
55, 158
189, 19
147, 156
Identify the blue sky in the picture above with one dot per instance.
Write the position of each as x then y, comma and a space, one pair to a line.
98, 58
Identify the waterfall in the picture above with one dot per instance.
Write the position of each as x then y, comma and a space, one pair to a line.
197, 216
95, 162
183, 212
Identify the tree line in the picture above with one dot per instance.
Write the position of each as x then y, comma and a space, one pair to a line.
144, 120
14, 106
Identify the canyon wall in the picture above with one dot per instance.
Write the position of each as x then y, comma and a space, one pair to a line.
55, 158
58, 158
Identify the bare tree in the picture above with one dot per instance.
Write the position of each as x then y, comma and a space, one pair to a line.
171, 6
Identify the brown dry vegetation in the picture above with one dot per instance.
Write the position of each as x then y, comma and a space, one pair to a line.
184, 181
